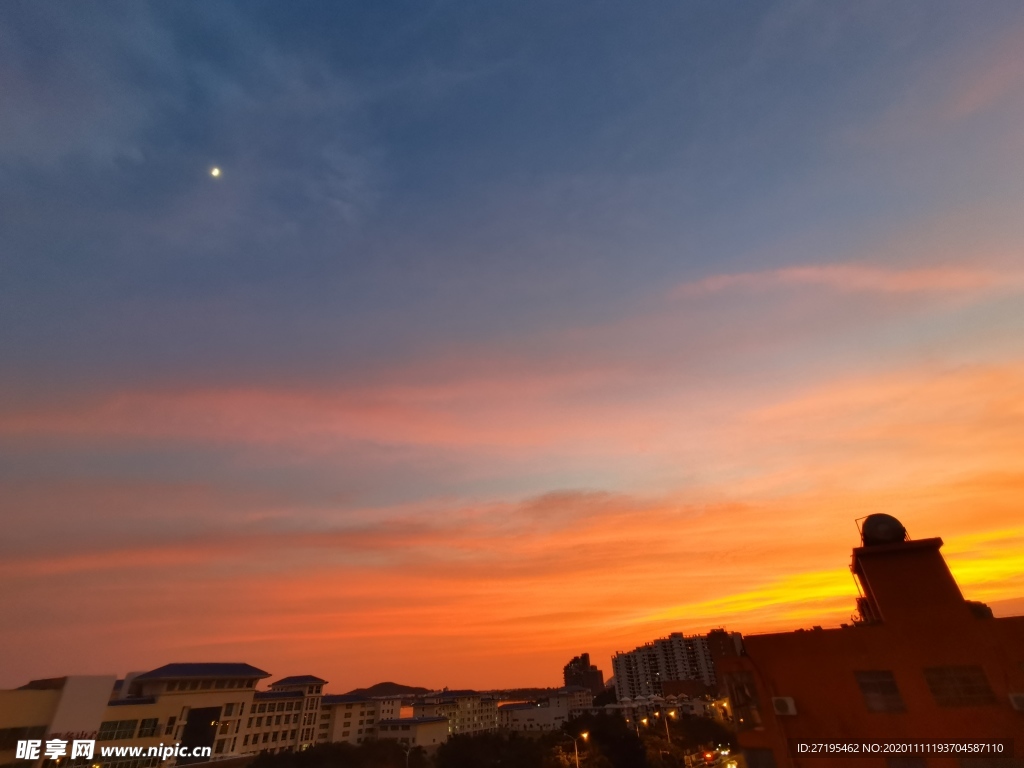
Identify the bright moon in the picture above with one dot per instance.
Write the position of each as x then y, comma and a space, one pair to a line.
215, 172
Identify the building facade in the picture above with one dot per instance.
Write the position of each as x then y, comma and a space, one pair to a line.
645, 670
214, 708
466, 711
426, 732
547, 714
919, 663
354, 719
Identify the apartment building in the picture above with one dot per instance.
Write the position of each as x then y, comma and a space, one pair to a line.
645, 670
354, 719
466, 711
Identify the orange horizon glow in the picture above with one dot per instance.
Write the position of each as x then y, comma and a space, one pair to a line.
494, 588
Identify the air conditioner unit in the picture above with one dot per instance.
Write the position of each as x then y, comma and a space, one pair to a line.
783, 705
1017, 701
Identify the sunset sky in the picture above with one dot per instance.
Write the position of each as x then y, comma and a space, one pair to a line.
506, 332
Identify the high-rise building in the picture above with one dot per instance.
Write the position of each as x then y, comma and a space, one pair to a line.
919, 664
678, 657
580, 672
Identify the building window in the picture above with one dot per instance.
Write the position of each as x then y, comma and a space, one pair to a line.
113, 730
880, 692
962, 686
148, 727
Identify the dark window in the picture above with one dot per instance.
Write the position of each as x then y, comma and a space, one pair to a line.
112, 730
148, 727
9, 737
880, 692
964, 686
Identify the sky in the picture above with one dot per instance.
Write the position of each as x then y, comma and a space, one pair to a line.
508, 331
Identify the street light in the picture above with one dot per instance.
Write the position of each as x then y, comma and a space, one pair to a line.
670, 713
576, 747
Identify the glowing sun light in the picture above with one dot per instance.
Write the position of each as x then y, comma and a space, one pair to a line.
215, 172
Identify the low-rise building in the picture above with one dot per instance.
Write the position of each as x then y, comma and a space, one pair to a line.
201, 706
466, 711
546, 714
354, 719
426, 732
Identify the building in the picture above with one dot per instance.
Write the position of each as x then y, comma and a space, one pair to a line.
547, 714
426, 732
645, 670
466, 711
212, 706
285, 717
354, 719
199, 705
919, 663
580, 672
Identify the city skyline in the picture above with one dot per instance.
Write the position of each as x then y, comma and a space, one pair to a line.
500, 333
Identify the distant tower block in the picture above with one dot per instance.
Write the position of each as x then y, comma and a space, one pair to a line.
581, 672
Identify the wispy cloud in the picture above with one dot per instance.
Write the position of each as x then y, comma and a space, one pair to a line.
861, 278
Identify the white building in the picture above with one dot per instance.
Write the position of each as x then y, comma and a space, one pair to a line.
354, 718
644, 670
547, 714
466, 711
426, 732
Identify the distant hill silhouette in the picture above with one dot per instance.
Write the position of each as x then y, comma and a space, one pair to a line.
388, 689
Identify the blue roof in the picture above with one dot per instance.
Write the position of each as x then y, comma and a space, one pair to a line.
277, 695
214, 669
300, 680
413, 720
132, 700
346, 698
